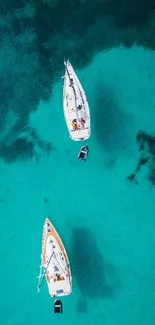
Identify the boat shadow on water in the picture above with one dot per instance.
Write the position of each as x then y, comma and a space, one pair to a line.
95, 278
82, 306
111, 122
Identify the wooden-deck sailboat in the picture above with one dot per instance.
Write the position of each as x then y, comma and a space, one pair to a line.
54, 263
75, 104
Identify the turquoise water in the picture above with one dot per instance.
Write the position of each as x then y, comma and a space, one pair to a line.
103, 209
105, 221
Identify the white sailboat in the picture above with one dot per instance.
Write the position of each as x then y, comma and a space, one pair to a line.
75, 104
54, 263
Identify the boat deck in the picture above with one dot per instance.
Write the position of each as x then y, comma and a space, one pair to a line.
55, 262
76, 108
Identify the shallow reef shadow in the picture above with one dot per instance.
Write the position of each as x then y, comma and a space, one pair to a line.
146, 147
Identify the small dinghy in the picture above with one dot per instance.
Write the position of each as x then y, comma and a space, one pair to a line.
57, 307
54, 263
75, 104
83, 154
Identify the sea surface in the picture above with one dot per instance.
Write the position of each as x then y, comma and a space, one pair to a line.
104, 209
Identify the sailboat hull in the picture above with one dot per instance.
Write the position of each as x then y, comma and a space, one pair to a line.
75, 104
55, 262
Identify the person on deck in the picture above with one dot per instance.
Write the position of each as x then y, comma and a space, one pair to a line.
74, 124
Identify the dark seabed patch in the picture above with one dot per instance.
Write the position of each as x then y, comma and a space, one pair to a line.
23, 145
95, 278
21, 149
146, 147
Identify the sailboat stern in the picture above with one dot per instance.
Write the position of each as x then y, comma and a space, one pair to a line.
80, 135
59, 288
